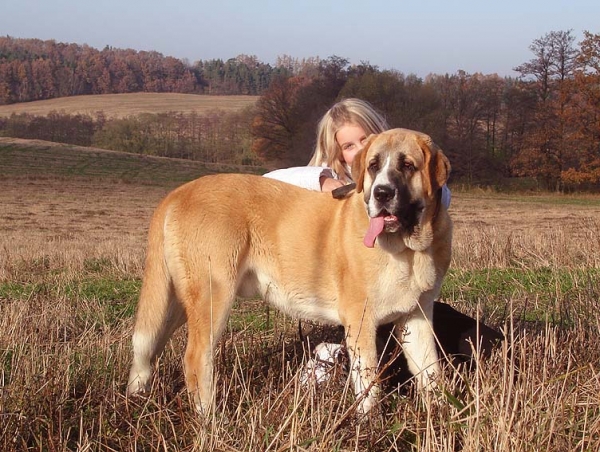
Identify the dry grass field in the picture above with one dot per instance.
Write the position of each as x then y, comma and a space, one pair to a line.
71, 257
122, 105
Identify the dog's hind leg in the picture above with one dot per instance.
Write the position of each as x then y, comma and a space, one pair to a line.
154, 327
207, 319
159, 314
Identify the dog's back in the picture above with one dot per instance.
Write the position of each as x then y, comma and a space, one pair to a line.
251, 235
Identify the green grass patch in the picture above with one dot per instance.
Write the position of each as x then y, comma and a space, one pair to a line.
20, 291
106, 289
118, 297
252, 315
506, 282
102, 289
543, 294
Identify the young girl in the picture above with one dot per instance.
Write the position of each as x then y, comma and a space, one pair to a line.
341, 134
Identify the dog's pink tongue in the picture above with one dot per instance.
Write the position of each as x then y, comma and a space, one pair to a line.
375, 228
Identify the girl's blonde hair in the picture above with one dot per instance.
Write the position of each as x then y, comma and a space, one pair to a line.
348, 111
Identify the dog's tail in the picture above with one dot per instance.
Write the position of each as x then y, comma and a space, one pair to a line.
159, 313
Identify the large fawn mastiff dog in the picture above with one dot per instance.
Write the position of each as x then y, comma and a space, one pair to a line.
377, 256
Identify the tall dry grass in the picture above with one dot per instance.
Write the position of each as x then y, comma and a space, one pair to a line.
68, 283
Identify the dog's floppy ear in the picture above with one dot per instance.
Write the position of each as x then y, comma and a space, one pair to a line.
438, 166
442, 167
359, 165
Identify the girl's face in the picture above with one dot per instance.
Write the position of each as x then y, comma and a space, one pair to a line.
351, 139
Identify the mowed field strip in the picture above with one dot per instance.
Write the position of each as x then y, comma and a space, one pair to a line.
123, 105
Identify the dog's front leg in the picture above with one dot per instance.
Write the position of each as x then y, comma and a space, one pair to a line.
418, 343
362, 351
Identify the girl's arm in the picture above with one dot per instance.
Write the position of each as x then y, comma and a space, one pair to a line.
303, 176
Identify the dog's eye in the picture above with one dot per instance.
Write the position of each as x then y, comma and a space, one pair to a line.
374, 166
408, 166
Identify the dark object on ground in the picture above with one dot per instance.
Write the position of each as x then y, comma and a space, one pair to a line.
456, 332
457, 336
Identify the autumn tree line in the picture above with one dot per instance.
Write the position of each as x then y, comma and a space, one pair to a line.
542, 126
32, 69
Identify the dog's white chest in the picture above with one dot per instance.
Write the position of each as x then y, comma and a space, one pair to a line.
402, 287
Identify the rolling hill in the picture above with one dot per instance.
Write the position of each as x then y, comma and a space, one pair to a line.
43, 159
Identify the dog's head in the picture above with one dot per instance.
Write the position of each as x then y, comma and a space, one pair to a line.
401, 173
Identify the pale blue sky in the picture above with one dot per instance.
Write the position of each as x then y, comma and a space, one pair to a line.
420, 37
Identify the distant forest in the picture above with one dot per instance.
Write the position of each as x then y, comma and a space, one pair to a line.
32, 69
542, 127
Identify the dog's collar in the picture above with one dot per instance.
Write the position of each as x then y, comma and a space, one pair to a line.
341, 192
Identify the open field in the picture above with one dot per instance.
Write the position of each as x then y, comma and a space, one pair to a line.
72, 249
122, 105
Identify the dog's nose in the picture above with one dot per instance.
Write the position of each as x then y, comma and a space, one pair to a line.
383, 193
